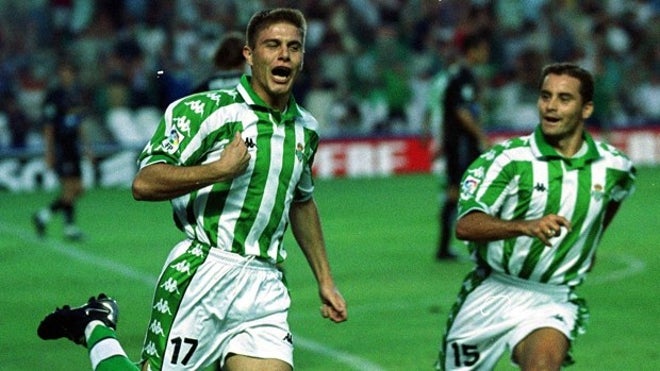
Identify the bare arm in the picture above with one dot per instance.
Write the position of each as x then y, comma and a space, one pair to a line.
471, 125
479, 226
161, 181
306, 228
86, 142
49, 147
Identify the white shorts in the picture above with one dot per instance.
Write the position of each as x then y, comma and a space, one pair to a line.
499, 313
210, 303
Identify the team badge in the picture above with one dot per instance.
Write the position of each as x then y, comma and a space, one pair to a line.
597, 192
300, 152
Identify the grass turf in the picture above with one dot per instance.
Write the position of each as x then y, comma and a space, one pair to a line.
381, 235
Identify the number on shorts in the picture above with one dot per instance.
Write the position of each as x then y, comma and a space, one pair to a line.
465, 355
177, 349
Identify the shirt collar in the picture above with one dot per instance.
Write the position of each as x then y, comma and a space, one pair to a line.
254, 100
543, 150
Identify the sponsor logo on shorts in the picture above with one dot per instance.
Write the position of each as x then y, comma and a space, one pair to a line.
559, 318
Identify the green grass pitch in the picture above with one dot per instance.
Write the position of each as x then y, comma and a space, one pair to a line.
381, 235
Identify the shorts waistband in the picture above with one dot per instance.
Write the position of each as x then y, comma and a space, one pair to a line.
552, 290
251, 261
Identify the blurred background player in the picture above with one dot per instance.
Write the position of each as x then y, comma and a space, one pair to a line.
463, 137
18, 122
229, 64
63, 115
534, 210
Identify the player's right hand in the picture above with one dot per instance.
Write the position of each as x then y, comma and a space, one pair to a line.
235, 158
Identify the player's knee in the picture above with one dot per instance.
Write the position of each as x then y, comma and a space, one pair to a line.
545, 361
540, 358
543, 349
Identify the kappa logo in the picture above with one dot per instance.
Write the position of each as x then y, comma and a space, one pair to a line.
156, 328
163, 307
182, 267
150, 349
183, 124
196, 251
288, 338
196, 106
559, 318
215, 97
540, 187
249, 142
170, 286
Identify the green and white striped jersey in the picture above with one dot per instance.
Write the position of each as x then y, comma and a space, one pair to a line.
249, 214
525, 178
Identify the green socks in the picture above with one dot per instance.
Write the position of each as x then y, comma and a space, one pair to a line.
105, 352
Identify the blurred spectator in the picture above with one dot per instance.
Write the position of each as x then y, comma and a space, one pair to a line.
376, 54
563, 45
228, 63
518, 93
60, 17
17, 121
610, 71
389, 77
646, 94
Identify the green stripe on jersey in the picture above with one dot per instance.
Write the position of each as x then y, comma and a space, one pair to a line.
525, 178
247, 215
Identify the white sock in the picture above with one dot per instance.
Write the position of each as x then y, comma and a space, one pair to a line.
104, 349
45, 214
90, 327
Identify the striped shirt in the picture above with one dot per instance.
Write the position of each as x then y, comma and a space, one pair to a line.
525, 178
249, 214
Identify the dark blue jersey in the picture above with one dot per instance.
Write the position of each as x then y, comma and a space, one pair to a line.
460, 146
63, 111
461, 92
220, 80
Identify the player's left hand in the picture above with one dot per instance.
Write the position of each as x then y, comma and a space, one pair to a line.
333, 305
550, 226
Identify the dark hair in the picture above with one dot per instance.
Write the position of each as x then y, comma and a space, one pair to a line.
265, 18
229, 54
573, 70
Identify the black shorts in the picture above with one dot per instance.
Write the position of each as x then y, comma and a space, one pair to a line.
68, 167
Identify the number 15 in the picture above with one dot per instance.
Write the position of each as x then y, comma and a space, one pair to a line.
465, 355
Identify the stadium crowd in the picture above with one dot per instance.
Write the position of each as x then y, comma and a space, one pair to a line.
374, 60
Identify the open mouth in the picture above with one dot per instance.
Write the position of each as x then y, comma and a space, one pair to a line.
552, 119
283, 72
